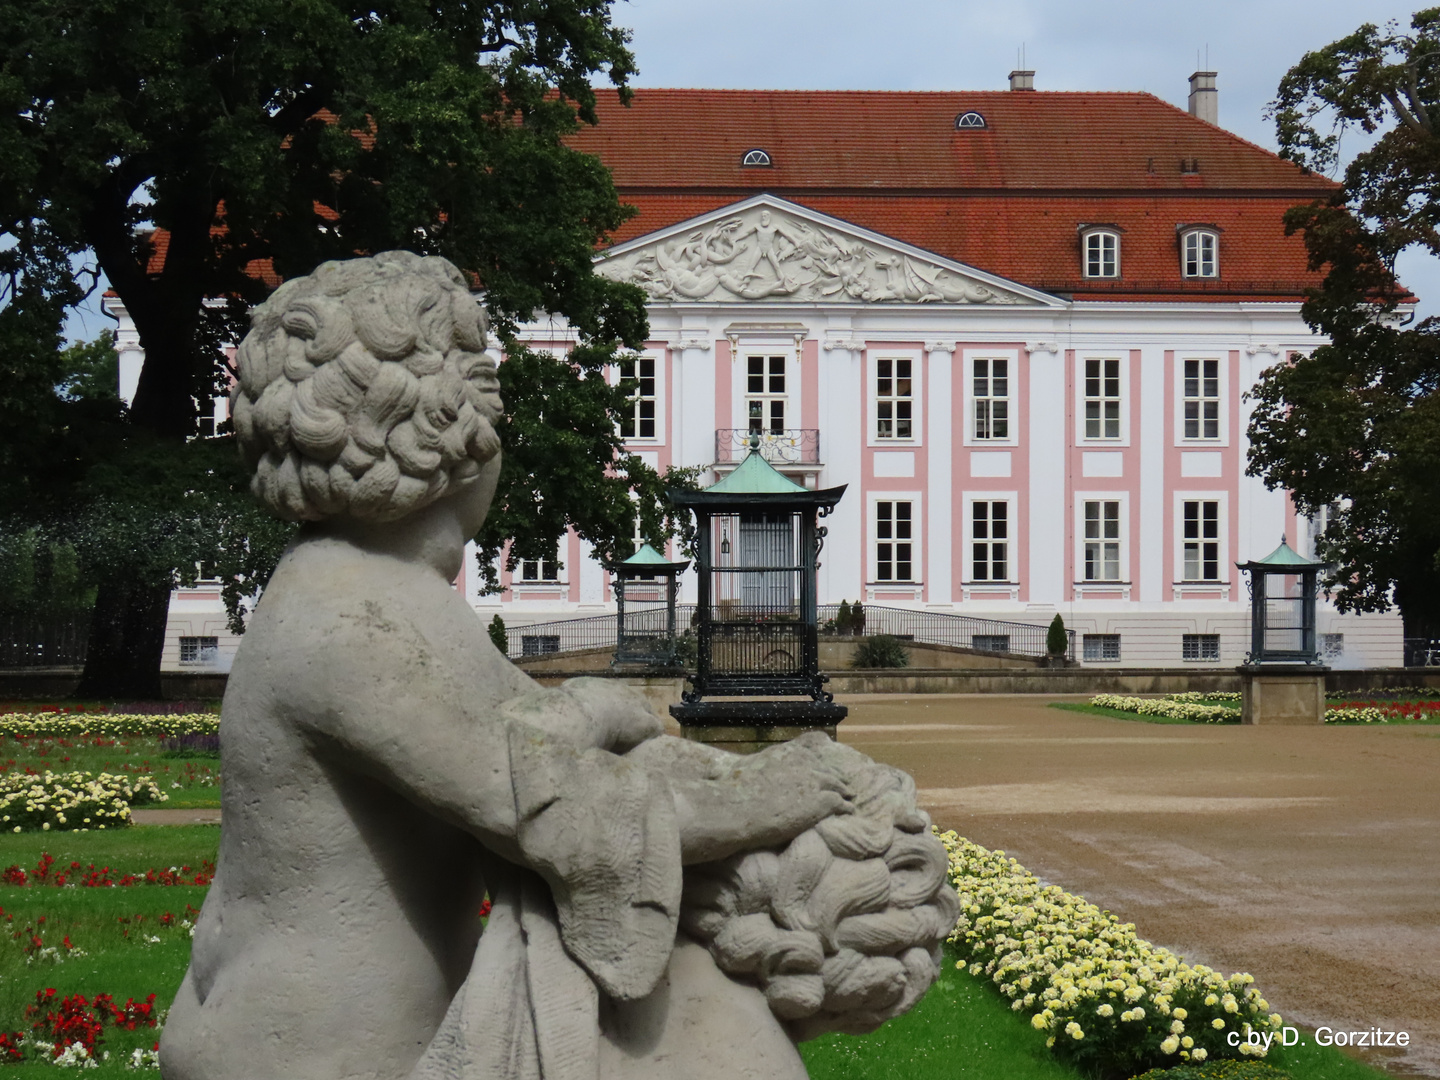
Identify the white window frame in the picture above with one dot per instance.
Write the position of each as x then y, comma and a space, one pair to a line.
560, 564
1098, 236
1198, 237
658, 356
205, 650
968, 399
1012, 502
1125, 554
1107, 636
1081, 362
1223, 362
1222, 508
917, 399
741, 352
917, 536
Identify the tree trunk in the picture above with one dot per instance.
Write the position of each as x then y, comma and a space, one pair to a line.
127, 636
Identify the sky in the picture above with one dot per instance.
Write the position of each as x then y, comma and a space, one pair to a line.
1150, 45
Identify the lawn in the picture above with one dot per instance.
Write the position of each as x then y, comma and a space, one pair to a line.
961, 1029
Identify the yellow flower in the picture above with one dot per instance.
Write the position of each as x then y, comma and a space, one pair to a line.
1218, 1024
1106, 1010
1199, 1054
1170, 1045
1180, 1014
1038, 1022
1074, 1031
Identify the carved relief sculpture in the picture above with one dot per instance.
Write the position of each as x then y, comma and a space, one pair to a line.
660, 909
765, 253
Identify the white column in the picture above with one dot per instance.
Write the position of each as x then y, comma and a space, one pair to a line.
940, 482
1262, 512
1153, 454
1049, 527
592, 577
842, 437
692, 396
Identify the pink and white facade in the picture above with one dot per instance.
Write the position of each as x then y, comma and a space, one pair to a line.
1060, 431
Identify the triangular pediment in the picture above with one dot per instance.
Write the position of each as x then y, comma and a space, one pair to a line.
768, 249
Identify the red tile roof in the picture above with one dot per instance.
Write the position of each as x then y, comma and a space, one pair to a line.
1006, 198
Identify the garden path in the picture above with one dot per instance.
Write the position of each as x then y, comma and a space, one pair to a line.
1309, 857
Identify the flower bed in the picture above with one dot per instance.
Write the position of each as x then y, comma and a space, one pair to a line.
1174, 710
51, 725
1111, 1001
72, 800
1191, 706
88, 877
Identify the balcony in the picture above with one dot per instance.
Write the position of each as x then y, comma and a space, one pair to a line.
791, 450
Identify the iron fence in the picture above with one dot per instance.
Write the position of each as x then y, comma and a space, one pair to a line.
922, 627
790, 446
1422, 652
956, 631
28, 641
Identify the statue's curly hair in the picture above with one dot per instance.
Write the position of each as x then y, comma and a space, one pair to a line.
842, 928
363, 391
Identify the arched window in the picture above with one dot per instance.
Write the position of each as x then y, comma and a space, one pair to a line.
755, 157
1101, 248
1199, 253
969, 120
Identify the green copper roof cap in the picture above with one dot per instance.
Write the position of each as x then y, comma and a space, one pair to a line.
1285, 555
646, 556
756, 476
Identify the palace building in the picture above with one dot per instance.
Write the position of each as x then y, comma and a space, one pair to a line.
1018, 325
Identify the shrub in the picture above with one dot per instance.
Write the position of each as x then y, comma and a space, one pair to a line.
842, 618
880, 651
1112, 1002
1227, 1069
75, 800
1057, 642
498, 636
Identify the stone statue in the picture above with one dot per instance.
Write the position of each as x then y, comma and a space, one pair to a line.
659, 909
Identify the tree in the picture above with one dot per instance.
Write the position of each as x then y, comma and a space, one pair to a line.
202, 150
1355, 426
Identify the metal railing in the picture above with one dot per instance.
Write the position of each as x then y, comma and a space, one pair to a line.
792, 446
922, 627
43, 641
1422, 652
955, 631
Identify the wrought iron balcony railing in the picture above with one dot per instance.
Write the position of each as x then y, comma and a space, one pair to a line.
792, 446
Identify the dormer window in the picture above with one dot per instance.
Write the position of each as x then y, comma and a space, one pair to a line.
1100, 249
1199, 253
754, 158
968, 120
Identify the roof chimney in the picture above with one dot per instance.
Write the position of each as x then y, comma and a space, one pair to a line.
1204, 98
1022, 80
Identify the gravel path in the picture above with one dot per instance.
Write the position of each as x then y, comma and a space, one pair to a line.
1309, 857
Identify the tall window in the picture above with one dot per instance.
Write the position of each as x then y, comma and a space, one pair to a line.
1202, 399
990, 541
765, 393
1102, 255
992, 398
1102, 540
894, 400
1200, 254
640, 422
1102, 399
533, 571
1202, 540
894, 542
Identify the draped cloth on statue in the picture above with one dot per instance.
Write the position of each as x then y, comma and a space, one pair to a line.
597, 915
